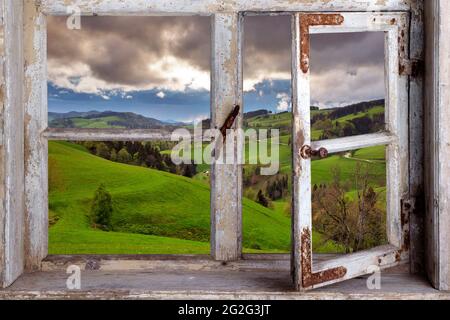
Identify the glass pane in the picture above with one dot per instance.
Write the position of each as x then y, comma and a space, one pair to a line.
267, 106
347, 84
349, 201
129, 72
125, 198
133, 73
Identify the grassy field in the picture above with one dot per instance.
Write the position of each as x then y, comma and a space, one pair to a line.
283, 121
371, 112
322, 169
158, 212
154, 212
370, 160
96, 123
271, 121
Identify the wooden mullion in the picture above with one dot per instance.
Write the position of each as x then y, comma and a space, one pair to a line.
355, 142
64, 134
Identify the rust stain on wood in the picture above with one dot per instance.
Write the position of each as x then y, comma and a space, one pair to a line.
309, 279
413, 68
406, 208
308, 20
300, 141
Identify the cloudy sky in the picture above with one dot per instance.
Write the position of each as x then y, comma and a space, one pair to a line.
160, 66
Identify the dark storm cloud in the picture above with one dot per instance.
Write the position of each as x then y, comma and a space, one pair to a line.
117, 50
347, 50
267, 44
345, 67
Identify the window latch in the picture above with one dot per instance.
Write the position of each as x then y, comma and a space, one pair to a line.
229, 122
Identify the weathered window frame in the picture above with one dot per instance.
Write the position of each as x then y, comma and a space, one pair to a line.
395, 137
28, 246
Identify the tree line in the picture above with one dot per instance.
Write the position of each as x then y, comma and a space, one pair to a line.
357, 126
262, 189
145, 154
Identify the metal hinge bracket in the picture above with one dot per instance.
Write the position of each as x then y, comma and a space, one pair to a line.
411, 67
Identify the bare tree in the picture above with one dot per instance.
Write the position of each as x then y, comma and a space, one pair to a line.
355, 222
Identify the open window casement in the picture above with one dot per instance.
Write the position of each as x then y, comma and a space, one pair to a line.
416, 141
307, 274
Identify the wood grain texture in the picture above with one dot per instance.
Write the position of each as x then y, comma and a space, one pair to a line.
220, 283
397, 124
416, 140
36, 147
395, 26
256, 276
355, 142
226, 178
12, 145
301, 169
23, 221
82, 134
437, 146
206, 7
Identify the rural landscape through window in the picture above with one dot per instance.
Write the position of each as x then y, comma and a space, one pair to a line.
267, 106
128, 197
347, 99
347, 84
131, 197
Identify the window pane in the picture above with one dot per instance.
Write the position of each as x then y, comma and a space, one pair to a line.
129, 72
347, 84
349, 201
132, 73
267, 106
125, 198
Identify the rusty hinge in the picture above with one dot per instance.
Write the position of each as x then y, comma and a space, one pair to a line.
407, 206
411, 67
229, 122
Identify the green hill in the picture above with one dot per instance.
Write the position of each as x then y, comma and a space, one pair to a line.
154, 211
158, 212
106, 119
341, 117
278, 120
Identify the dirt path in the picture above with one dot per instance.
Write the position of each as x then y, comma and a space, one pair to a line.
348, 155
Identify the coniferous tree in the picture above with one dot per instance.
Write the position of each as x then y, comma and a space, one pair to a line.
101, 209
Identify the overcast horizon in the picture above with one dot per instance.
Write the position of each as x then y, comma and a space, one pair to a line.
160, 66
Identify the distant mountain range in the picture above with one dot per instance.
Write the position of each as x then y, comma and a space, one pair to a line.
126, 120
130, 120
72, 114
107, 119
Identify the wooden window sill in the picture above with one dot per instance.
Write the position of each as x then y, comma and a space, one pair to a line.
199, 277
